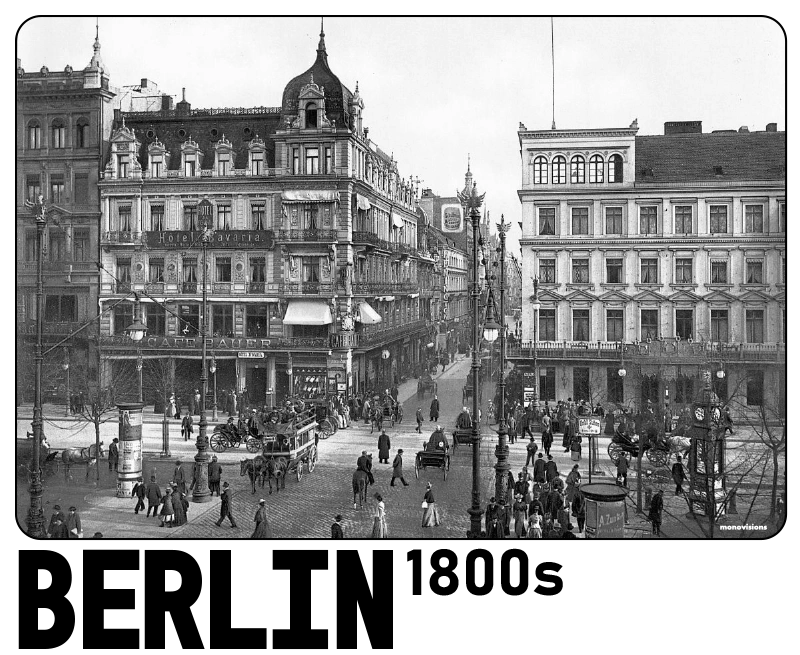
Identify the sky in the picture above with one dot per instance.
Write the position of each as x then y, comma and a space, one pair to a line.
439, 89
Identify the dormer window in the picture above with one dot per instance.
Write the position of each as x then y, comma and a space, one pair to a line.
257, 163
311, 115
189, 166
156, 166
123, 165
224, 163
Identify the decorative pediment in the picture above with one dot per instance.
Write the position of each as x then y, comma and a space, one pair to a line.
223, 144
123, 134
256, 143
719, 298
157, 148
189, 146
615, 296
684, 296
579, 295
649, 296
548, 296
755, 297
311, 90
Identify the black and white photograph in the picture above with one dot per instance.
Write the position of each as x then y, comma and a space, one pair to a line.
404, 278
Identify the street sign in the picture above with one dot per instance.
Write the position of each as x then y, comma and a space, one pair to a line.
249, 354
589, 425
527, 395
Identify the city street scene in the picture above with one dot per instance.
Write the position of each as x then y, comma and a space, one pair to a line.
363, 299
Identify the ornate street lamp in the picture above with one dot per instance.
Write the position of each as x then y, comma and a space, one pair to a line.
213, 370
536, 304
136, 331
202, 494
472, 201
501, 452
65, 368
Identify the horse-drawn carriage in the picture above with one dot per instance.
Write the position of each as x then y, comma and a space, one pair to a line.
426, 385
48, 458
625, 442
462, 434
435, 453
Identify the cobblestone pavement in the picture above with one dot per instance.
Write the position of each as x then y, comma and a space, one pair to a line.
305, 509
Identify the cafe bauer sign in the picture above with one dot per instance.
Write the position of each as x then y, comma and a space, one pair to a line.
219, 239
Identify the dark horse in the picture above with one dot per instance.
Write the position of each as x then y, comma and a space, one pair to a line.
360, 484
276, 468
256, 468
86, 456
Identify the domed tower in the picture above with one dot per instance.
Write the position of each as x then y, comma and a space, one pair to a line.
336, 97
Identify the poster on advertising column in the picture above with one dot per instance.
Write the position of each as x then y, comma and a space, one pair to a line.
452, 218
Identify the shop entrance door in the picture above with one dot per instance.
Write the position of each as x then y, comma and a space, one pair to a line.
257, 386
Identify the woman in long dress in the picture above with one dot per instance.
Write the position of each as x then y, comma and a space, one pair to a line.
573, 480
379, 530
535, 526
179, 507
430, 517
262, 530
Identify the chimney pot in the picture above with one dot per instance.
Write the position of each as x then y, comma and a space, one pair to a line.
772, 127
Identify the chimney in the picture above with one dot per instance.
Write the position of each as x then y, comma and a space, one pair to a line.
772, 127
743, 129
166, 102
183, 107
683, 127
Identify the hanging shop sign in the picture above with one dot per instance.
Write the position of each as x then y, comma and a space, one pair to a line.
219, 239
250, 354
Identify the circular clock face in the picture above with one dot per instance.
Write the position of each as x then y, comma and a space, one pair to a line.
700, 413
716, 414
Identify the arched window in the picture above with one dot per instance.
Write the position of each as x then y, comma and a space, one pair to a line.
311, 115
577, 170
82, 133
595, 169
615, 168
34, 134
559, 170
59, 133
540, 170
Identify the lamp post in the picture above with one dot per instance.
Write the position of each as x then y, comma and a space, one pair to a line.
501, 452
65, 368
201, 492
536, 305
491, 330
213, 370
472, 201
136, 331
35, 518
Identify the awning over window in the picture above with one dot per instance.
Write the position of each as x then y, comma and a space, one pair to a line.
396, 220
325, 195
308, 312
363, 203
367, 315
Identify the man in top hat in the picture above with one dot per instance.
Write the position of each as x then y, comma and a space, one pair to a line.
225, 506
397, 468
113, 455
58, 515
336, 528
179, 477
74, 523
678, 475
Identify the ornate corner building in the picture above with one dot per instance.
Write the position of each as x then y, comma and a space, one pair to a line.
63, 122
660, 254
319, 278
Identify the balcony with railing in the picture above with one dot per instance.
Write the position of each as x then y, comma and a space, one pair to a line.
378, 288
305, 236
308, 288
667, 351
375, 337
64, 266
123, 237
61, 328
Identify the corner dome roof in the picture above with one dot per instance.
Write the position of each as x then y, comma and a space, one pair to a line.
337, 95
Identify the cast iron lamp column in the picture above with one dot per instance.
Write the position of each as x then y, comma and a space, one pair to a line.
136, 332
213, 371
201, 493
501, 452
35, 518
536, 305
65, 368
491, 330
470, 199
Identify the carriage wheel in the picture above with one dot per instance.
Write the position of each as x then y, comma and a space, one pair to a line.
253, 445
614, 452
416, 467
446, 465
218, 443
312, 459
298, 471
657, 456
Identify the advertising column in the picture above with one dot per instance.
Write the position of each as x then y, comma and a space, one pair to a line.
605, 511
130, 448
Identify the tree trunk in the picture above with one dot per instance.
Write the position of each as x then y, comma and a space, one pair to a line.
773, 501
96, 418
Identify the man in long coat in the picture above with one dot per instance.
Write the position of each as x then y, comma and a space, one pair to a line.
678, 476
179, 477
214, 475
383, 448
551, 469
113, 455
495, 520
435, 409
540, 470
397, 468
225, 506
153, 497
656, 507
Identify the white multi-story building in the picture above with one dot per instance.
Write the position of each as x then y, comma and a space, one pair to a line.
673, 244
